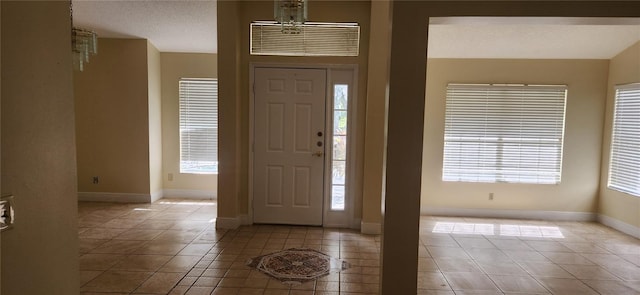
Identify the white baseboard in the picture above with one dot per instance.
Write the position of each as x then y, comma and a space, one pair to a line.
189, 194
227, 222
114, 197
157, 195
520, 214
245, 219
619, 225
370, 228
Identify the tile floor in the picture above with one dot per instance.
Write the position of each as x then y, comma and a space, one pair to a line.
172, 247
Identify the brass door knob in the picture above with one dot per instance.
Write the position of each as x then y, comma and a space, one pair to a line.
317, 154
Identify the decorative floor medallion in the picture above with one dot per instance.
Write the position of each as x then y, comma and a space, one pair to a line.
296, 266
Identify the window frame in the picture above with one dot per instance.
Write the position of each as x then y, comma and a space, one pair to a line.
209, 86
491, 121
621, 170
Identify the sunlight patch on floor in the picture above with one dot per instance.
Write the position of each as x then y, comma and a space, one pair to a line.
510, 230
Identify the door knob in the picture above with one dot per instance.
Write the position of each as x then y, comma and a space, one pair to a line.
317, 154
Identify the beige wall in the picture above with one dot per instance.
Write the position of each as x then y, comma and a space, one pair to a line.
578, 190
234, 154
112, 118
375, 116
40, 254
155, 118
623, 69
174, 67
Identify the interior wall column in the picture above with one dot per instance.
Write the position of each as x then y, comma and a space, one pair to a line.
378, 75
228, 113
405, 116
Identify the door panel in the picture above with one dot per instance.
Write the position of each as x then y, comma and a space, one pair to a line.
288, 183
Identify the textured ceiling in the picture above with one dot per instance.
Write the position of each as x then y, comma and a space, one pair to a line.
172, 26
190, 26
540, 41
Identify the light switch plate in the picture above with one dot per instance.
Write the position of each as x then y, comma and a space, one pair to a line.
7, 214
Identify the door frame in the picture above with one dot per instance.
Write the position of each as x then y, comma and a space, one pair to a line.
330, 218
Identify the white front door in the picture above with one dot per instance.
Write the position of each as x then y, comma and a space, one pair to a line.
289, 135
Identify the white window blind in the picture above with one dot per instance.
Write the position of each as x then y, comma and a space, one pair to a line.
504, 133
198, 126
315, 39
624, 164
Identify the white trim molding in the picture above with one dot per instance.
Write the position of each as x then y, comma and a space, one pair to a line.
115, 197
157, 195
227, 222
370, 228
619, 225
189, 194
519, 214
245, 219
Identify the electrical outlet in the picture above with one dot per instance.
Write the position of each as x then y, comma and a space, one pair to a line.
490, 196
170, 176
96, 180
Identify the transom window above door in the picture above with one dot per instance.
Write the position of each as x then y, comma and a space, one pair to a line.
314, 39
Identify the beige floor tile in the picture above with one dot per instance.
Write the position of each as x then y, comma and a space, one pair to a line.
136, 234
526, 255
634, 285
86, 245
452, 252
177, 236
567, 258
474, 243
492, 255
99, 261
548, 246
101, 233
122, 223
251, 291
627, 272
524, 284
116, 281
180, 264
511, 244
633, 258
545, 269
196, 249
118, 247
456, 265
207, 282
232, 282
156, 224
566, 286
589, 272
88, 275
606, 260
209, 258
160, 283
201, 291
286, 292
142, 262
477, 292
609, 287
432, 281
435, 292
501, 268
469, 281
160, 248
585, 247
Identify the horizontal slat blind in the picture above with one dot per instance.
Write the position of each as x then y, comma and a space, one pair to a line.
504, 133
313, 40
198, 125
624, 165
